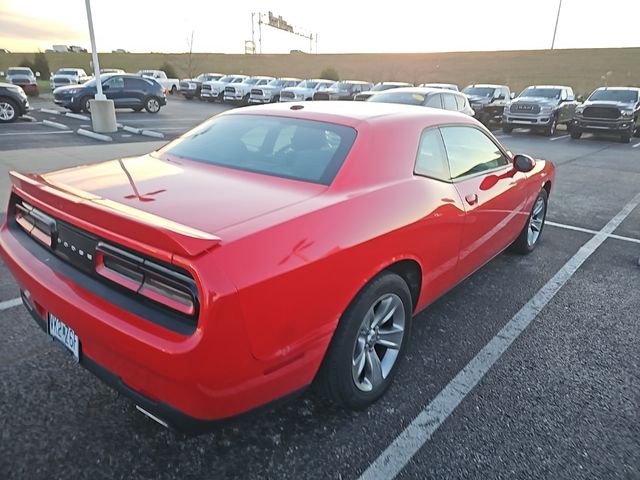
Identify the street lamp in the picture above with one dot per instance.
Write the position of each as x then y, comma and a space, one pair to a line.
103, 112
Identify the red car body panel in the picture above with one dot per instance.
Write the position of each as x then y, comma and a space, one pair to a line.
276, 261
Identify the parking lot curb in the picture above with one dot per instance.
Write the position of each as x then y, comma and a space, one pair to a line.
47, 110
97, 136
77, 116
49, 123
27, 118
150, 133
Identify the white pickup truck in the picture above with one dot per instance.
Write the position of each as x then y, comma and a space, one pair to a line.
68, 76
172, 85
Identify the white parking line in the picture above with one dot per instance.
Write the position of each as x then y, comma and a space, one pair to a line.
592, 232
420, 430
559, 138
10, 303
33, 133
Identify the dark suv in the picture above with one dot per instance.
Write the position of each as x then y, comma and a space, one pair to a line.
13, 102
488, 101
346, 90
541, 107
612, 110
126, 91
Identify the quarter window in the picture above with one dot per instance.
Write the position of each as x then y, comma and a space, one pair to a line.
432, 157
470, 151
434, 101
450, 102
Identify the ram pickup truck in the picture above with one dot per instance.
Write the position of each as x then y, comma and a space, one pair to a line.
172, 85
68, 76
214, 90
191, 87
488, 101
541, 107
610, 110
239, 93
270, 93
344, 90
304, 90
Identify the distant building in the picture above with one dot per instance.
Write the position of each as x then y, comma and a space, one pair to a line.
4, 50
75, 48
60, 48
119, 50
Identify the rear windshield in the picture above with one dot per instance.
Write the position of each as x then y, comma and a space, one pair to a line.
479, 91
407, 98
67, 72
541, 92
623, 96
305, 150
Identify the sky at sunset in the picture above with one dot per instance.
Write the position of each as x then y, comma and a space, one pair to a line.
341, 26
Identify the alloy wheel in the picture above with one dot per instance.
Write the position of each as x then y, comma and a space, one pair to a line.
7, 112
378, 343
536, 221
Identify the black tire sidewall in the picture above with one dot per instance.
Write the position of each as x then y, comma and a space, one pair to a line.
146, 104
337, 365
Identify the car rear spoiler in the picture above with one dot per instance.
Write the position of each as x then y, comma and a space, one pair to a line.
121, 220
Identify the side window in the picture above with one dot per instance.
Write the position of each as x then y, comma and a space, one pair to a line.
505, 93
470, 151
432, 157
460, 100
135, 84
563, 94
570, 95
434, 101
115, 82
450, 102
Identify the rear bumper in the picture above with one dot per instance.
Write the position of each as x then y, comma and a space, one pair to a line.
189, 381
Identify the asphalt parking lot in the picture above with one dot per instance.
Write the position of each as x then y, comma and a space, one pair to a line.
528, 369
175, 118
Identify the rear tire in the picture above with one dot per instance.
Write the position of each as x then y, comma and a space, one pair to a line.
152, 104
532, 230
85, 104
357, 368
173, 90
507, 129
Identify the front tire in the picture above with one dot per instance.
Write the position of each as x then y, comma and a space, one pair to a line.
173, 90
152, 105
8, 110
532, 230
551, 128
368, 344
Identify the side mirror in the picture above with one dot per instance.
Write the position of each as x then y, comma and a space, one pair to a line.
523, 163
512, 95
38, 74
580, 98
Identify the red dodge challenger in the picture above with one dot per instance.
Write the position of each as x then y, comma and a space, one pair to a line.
266, 249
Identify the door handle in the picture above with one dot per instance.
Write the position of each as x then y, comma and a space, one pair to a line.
471, 199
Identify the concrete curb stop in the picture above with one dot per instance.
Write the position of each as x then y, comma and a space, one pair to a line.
129, 129
150, 133
97, 136
60, 126
47, 110
77, 116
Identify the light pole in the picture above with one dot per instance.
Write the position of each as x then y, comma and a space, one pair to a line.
103, 113
555, 30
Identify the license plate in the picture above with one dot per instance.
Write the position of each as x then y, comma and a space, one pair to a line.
65, 335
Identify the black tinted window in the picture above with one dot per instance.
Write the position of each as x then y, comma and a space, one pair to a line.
136, 84
304, 150
432, 157
470, 151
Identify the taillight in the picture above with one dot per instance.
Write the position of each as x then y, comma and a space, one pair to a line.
39, 225
152, 280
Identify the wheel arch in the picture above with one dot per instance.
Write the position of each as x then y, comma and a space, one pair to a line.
547, 187
411, 272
